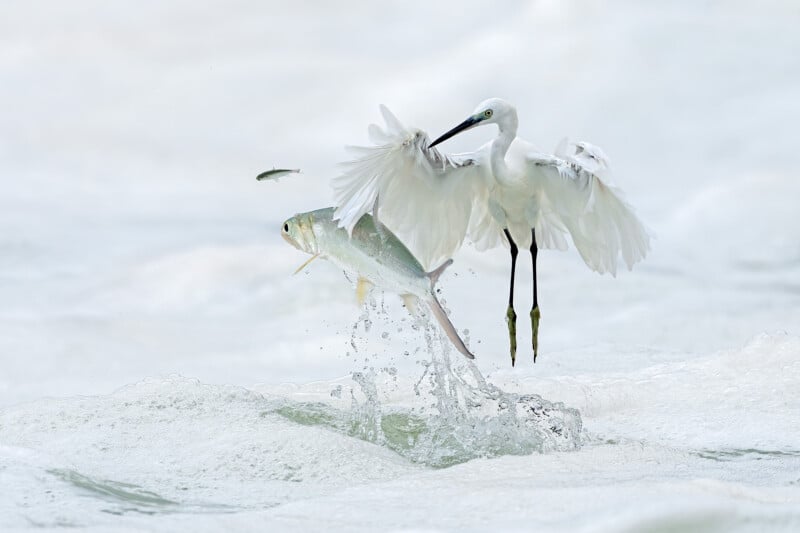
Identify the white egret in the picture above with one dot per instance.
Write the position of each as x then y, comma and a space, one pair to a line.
504, 191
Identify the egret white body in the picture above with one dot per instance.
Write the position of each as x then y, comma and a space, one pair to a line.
507, 190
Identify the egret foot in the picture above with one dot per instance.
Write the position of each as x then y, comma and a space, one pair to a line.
511, 320
535, 316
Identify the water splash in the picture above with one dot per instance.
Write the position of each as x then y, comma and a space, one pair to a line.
456, 415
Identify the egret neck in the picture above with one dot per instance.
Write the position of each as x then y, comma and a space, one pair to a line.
507, 132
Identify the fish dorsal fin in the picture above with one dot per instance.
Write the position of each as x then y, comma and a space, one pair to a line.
375, 206
434, 274
380, 228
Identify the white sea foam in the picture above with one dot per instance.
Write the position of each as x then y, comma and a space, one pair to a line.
176, 452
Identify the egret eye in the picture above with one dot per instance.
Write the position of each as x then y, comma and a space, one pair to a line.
286, 228
487, 113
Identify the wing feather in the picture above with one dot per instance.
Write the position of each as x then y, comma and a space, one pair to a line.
425, 197
574, 199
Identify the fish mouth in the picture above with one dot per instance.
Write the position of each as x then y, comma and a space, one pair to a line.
467, 124
299, 233
289, 240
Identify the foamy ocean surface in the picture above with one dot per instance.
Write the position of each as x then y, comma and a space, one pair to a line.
162, 370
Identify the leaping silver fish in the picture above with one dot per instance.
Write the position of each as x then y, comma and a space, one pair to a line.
376, 256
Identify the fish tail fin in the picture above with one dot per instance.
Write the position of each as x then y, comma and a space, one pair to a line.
434, 274
444, 321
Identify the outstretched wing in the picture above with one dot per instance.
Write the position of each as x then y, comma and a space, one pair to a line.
573, 197
425, 197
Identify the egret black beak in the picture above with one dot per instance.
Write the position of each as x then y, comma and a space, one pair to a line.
467, 124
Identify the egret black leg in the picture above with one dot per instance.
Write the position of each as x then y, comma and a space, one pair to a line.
535, 315
511, 316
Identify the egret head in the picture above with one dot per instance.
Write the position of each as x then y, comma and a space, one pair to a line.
299, 232
491, 111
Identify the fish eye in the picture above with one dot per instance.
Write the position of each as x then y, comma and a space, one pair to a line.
286, 227
487, 113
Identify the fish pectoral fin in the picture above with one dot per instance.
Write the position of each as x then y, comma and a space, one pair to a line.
301, 267
411, 301
362, 288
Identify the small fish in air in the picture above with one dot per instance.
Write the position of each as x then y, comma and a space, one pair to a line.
276, 173
376, 256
